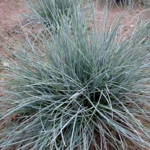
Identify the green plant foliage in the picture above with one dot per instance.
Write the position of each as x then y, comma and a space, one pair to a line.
50, 12
79, 90
129, 3
118, 2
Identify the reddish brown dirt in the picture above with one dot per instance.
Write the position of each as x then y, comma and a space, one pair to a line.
10, 12
10, 9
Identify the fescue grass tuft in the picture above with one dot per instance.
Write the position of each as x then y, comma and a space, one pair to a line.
79, 89
50, 12
129, 3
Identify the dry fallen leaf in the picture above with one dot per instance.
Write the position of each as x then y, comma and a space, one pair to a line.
13, 119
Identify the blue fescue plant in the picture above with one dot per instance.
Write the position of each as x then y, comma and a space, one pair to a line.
118, 2
50, 12
129, 3
146, 3
78, 90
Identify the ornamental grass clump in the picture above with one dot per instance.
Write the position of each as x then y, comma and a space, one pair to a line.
50, 12
129, 3
78, 90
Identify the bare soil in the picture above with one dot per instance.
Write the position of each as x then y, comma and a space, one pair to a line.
10, 14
